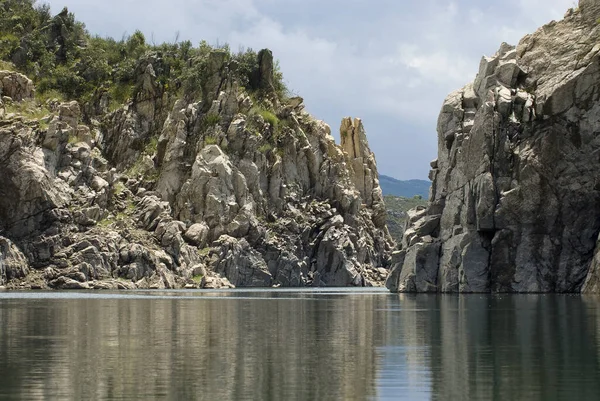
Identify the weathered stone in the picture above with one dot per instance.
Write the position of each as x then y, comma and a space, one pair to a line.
16, 86
428, 225
66, 283
224, 197
592, 282
88, 216
28, 190
13, 264
333, 268
70, 113
516, 178
419, 269
151, 210
265, 71
197, 234
364, 169
242, 265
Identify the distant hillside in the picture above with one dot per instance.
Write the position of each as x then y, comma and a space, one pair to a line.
407, 189
397, 207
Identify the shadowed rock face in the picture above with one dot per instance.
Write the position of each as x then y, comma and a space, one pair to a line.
170, 193
515, 200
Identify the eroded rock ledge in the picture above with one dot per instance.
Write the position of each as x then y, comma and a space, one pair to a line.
515, 200
219, 192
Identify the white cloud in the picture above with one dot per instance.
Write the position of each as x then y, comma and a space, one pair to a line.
391, 63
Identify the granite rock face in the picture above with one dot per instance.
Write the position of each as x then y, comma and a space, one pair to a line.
219, 191
364, 168
16, 86
515, 200
13, 264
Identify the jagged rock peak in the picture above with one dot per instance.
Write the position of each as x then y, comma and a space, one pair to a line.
265, 70
354, 139
515, 200
363, 166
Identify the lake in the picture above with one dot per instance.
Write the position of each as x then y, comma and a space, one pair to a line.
298, 345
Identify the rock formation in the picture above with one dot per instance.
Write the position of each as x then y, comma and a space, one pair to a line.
222, 190
15, 86
515, 200
364, 167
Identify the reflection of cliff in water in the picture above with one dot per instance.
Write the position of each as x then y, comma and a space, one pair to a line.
517, 347
190, 348
304, 346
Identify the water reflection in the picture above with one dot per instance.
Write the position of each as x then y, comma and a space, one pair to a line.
517, 347
299, 346
252, 348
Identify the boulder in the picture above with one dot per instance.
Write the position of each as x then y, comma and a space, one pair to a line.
197, 234
16, 86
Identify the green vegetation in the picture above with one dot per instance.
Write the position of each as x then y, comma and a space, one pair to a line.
130, 206
397, 206
50, 94
281, 89
267, 115
265, 148
198, 278
112, 219
105, 222
287, 123
28, 109
210, 140
144, 165
68, 62
73, 139
5, 65
212, 119
270, 118
152, 146
120, 92
204, 251
119, 188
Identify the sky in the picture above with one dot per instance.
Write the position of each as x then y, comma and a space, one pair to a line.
389, 62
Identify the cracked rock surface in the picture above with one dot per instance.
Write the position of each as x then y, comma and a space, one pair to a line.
515, 200
173, 193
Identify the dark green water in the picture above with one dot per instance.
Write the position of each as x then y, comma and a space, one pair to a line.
290, 345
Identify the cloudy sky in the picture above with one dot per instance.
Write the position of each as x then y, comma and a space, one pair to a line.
390, 62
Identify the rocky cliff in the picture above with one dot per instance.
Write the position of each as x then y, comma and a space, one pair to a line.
230, 187
515, 201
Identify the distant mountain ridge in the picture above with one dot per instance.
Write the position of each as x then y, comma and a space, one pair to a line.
407, 189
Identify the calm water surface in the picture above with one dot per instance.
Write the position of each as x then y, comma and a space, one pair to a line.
298, 345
